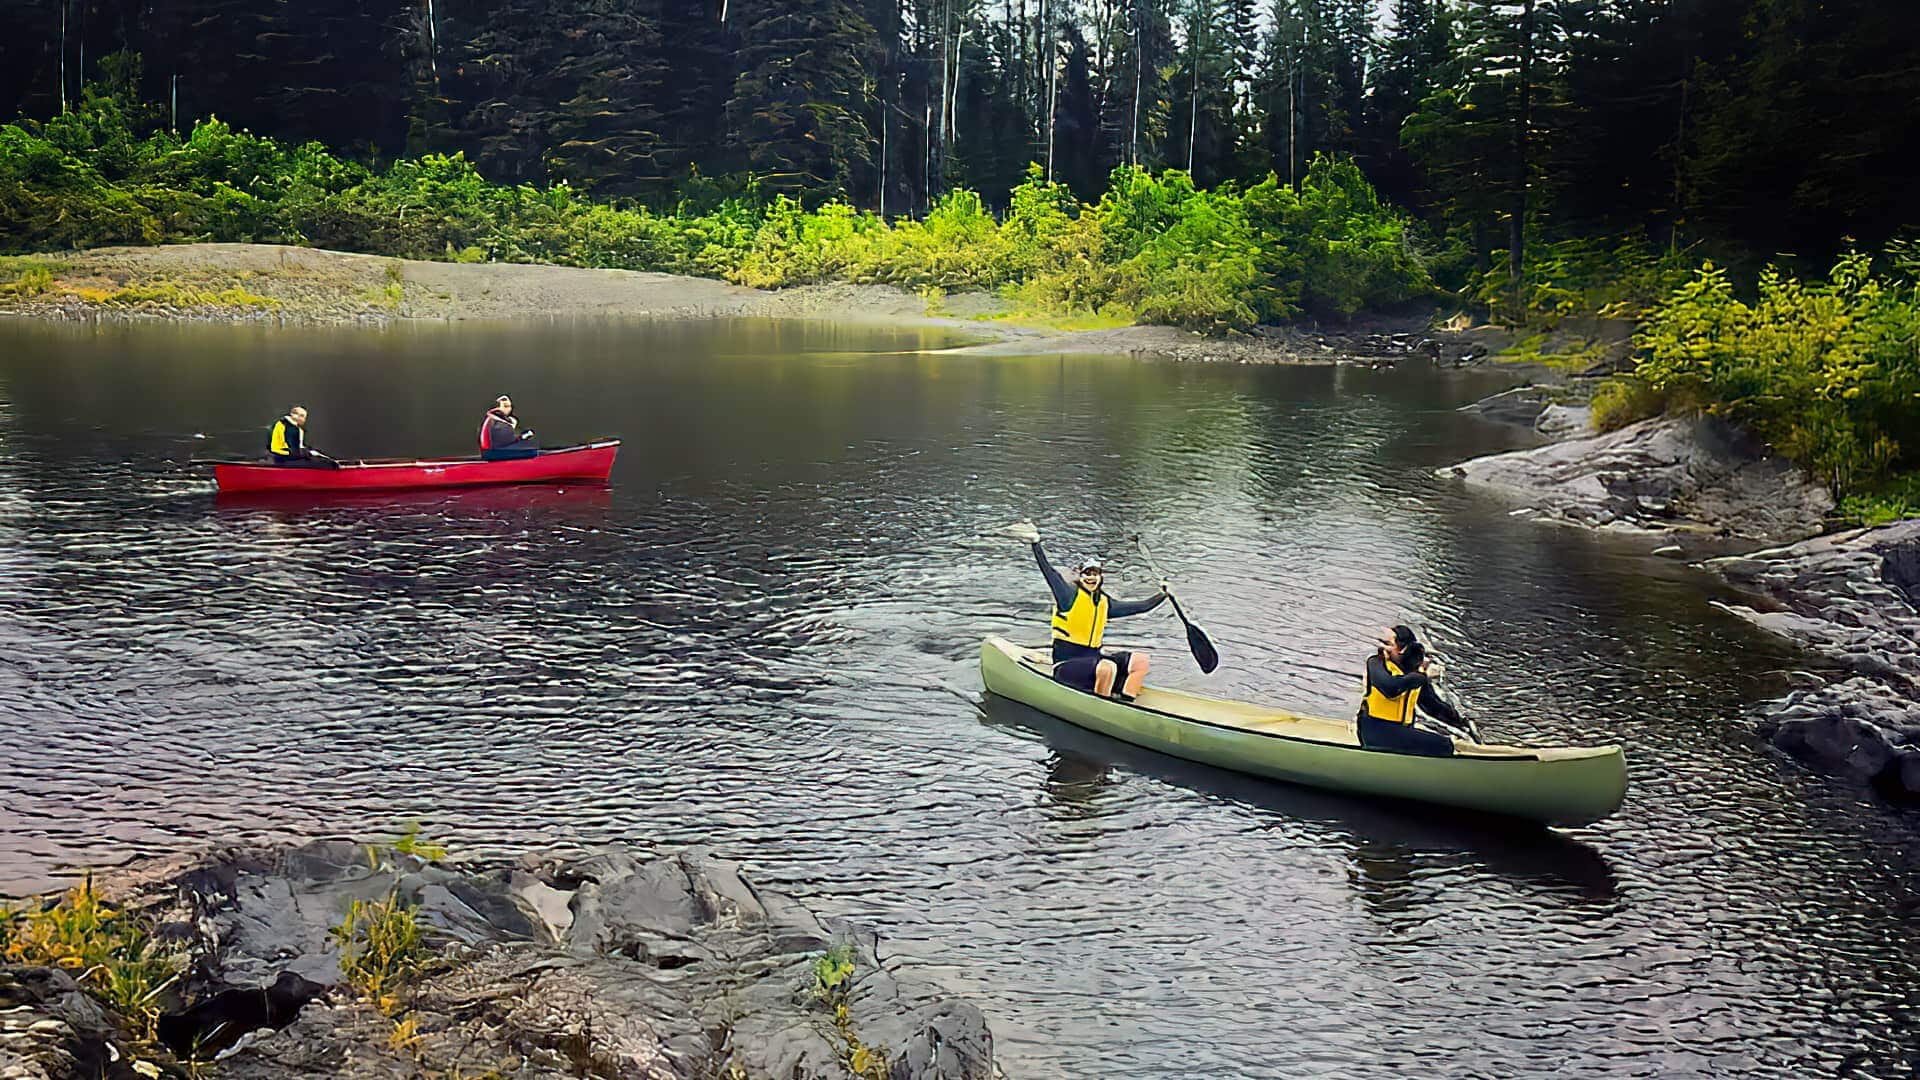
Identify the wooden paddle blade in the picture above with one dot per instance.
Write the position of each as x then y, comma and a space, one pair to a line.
1204, 653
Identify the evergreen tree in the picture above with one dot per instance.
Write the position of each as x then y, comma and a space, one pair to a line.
609, 135
795, 113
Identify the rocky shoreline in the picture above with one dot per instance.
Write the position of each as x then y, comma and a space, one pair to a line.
1697, 483
605, 965
1851, 599
1671, 476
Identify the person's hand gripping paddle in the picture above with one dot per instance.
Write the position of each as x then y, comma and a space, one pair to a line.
1198, 642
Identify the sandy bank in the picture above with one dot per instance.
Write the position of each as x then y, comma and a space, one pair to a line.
275, 283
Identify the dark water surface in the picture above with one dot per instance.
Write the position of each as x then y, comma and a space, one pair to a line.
763, 638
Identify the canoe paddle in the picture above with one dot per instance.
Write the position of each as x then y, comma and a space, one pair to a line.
1198, 642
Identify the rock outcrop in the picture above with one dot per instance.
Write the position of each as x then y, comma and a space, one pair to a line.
1661, 475
607, 965
1850, 597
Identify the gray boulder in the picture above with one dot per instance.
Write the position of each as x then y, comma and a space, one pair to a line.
1666, 473
611, 964
51, 1030
1847, 598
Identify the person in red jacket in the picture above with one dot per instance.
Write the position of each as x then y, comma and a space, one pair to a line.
501, 438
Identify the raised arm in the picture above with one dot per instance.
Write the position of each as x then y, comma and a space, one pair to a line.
1120, 609
1063, 589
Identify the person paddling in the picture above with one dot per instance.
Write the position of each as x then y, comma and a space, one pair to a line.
1080, 613
1397, 685
500, 436
287, 442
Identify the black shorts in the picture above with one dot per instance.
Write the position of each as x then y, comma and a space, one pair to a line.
1401, 738
1079, 672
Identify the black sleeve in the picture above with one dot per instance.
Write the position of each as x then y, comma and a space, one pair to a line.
1389, 684
501, 434
1435, 706
1062, 590
1120, 609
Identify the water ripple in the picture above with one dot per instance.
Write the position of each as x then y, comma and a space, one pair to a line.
762, 638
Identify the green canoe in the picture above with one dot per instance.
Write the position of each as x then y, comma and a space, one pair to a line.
1561, 785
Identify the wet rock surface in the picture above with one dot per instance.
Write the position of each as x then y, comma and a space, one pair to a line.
1663, 475
1850, 598
50, 1029
606, 965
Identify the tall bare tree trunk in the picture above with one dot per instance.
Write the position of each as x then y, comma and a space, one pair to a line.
1193, 106
1522, 121
1139, 69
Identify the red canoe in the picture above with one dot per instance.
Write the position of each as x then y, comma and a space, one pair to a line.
590, 462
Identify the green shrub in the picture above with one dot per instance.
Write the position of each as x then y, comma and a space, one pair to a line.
104, 948
1154, 246
1892, 500
1625, 400
1599, 276
380, 947
1827, 372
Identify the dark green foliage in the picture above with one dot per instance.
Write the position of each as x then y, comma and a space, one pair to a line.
1753, 130
796, 112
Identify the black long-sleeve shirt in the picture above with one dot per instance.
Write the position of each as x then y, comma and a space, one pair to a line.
1430, 701
502, 432
1064, 592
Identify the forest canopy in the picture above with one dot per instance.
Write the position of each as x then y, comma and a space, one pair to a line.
1745, 129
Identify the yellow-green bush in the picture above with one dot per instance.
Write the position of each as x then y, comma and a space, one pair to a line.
1625, 400
1154, 246
105, 949
1827, 372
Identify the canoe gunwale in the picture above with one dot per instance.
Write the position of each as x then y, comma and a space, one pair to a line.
1525, 757
402, 463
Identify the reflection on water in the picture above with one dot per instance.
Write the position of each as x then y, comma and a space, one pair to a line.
1389, 841
762, 637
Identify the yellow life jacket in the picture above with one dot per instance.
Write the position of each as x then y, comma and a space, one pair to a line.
282, 440
1398, 710
1085, 623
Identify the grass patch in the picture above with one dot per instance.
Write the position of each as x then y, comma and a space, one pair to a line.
1539, 349
1108, 318
1625, 400
381, 947
105, 949
410, 842
1895, 500
26, 277
165, 293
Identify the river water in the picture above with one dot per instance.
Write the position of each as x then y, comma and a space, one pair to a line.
763, 638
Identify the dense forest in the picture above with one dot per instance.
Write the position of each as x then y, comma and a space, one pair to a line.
1731, 173
1754, 127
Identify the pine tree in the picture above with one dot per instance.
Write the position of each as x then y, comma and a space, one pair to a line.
795, 113
609, 136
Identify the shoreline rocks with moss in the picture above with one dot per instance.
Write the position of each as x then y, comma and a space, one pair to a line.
1852, 599
609, 964
1667, 475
